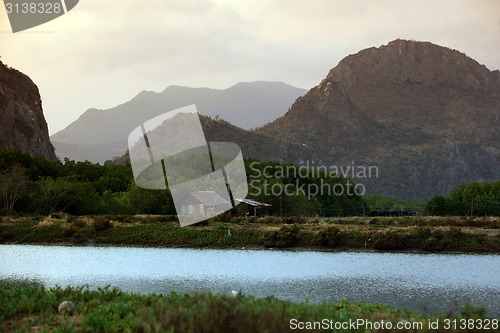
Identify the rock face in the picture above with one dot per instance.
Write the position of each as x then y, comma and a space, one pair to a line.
22, 124
403, 61
425, 115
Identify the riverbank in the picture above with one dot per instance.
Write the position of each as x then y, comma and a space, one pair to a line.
427, 234
31, 307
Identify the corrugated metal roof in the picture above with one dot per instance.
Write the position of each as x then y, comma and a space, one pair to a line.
253, 203
207, 198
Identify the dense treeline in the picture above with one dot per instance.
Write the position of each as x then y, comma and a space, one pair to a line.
380, 203
292, 190
34, 185
473, 199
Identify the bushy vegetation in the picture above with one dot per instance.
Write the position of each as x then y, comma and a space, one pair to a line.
71, 187
31, 307
380, 203
293, 190
473, 199
410, 233
33, 185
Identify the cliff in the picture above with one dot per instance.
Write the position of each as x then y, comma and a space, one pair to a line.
22, 123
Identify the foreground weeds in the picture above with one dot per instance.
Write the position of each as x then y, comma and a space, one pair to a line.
30, 307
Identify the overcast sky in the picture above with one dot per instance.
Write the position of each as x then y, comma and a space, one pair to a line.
103, 53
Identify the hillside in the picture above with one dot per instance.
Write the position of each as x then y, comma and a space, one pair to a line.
246, 105
425, 115
22, 123
253, 144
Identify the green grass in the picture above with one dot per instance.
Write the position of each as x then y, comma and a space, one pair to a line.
432, 234
29, 307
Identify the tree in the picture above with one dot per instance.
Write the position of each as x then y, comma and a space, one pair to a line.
478, 199
115, 203
13, 186
437, 205
66, 195
146, 201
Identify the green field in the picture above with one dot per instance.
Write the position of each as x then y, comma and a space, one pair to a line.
32, 308
430, 234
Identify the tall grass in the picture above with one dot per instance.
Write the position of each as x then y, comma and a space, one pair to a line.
27, 307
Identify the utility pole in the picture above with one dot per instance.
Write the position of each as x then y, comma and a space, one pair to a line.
281, 210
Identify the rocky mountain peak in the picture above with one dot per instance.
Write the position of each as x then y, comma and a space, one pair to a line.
406, 61
425, 115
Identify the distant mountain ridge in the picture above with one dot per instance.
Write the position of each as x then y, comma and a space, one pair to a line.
22, 123
246, 104
426, 115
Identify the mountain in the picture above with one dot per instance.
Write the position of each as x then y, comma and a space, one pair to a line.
22, 124
100, 135
408, 119
426, 116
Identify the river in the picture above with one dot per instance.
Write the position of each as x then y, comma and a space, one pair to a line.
424, 282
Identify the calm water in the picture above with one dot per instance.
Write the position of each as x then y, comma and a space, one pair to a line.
425, 282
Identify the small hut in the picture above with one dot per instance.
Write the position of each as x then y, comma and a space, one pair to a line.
203, 203
254, 205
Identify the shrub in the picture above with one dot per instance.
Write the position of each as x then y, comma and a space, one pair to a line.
392, 240
67, 229
286, 236
152, 218
330, 236
71, 218
44, 223
75, 221
237, 219
267, 220
251, 219
120, 218
471, 310
56, 216
294, 219
100, 223
4, 235
223, 217
420, 233
450, 220
79, 239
